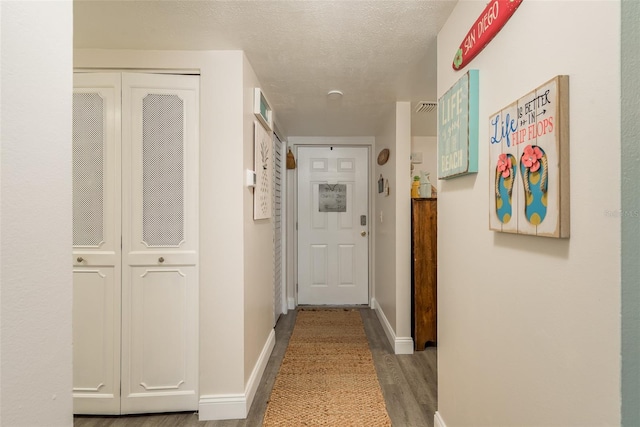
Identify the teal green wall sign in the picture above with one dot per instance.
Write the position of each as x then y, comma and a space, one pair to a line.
458, 128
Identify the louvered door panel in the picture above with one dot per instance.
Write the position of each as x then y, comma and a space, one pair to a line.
277, 227
96, 244
160, 218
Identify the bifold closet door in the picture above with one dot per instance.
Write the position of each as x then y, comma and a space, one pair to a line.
160, 243
96, 244
135, 243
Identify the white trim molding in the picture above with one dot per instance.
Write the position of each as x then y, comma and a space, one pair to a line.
404, 345
222, 407
236, 406
401, 345
258, 369
438, 421
292, 303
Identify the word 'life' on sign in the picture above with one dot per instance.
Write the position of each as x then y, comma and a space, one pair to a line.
458, 128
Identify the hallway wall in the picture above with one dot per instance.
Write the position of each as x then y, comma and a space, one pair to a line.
529, 328
393, 233
428, 146
35, 214
258, 253
385, 231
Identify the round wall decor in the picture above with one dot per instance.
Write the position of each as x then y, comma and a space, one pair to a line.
383, 156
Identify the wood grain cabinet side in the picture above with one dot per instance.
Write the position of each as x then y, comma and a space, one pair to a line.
424, 262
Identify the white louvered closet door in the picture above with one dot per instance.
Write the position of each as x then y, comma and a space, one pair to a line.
96, 244
160, 243
278, 166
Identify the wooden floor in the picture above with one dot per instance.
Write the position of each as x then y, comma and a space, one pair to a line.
409, 385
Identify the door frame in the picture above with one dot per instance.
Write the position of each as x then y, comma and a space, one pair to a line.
292, 195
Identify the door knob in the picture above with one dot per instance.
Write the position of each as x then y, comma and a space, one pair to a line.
364, 233
79, 259
161, 259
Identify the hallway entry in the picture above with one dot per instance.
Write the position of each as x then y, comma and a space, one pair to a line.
333, 225
135, 243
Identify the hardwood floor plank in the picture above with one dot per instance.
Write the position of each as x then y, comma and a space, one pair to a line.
403, 409
171, 420
408, 382
377, 338
224, 423
415, 379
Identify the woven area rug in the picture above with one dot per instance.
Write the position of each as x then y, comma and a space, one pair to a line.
327, 377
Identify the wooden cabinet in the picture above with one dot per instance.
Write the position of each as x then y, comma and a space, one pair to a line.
424, 262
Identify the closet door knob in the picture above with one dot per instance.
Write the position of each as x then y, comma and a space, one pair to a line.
79, 259
161, 259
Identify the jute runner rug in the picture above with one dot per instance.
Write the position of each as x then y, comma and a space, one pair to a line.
327, 377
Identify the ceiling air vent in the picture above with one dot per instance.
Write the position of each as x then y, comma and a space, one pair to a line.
425, 107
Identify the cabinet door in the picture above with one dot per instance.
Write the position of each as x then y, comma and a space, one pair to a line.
425, 261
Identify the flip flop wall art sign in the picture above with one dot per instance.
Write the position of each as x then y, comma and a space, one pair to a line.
458, 128
529, 163
488, 24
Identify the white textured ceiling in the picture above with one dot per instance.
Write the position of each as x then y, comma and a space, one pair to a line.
376, 52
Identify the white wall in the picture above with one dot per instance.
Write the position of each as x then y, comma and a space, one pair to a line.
393, 233
529, 328
385, 220
35, 214
403, 228
258, 255
428, 146
225, 355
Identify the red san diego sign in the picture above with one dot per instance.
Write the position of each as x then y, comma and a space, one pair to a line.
488, 24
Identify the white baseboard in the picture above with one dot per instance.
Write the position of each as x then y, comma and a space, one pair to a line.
391, 335
258, 369
236, 406
404, 345
292, 303
222, 407
438, 421
401, 345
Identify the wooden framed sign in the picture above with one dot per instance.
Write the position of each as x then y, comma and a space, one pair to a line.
486, 27
458, 128
529, 163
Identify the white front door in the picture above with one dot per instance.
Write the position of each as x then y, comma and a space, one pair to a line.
135, 217
160, 243
333, 225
